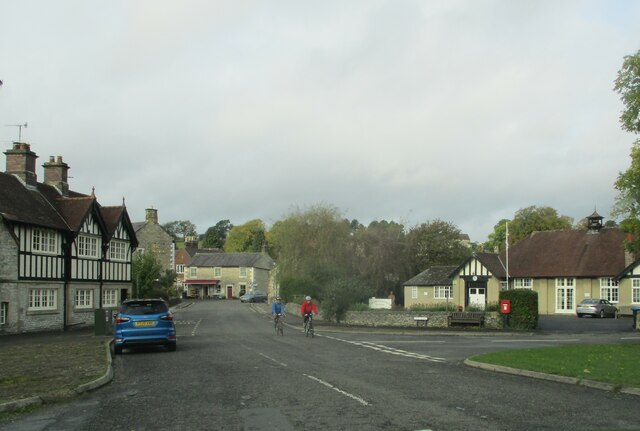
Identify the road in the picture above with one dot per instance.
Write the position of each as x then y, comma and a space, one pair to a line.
231, 372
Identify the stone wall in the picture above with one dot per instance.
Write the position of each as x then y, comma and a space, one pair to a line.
389, 318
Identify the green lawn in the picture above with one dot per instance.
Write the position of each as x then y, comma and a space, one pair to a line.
610, 363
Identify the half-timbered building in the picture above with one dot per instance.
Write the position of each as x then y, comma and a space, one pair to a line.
62, 255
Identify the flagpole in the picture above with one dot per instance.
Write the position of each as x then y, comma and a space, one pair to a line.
507, 253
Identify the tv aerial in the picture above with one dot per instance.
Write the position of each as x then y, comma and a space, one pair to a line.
19, 126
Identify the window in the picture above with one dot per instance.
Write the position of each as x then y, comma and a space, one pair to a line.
4, 310
194, 271
522, 283
217, 272
42, 299
635, 290
504, 285
87, 246
179, 269
118, 250
414, 292
84, 298
243, 289
44, 241
609, 289
243, 271
443, 292
109, 298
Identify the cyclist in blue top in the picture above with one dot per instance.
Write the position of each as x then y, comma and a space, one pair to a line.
277, 308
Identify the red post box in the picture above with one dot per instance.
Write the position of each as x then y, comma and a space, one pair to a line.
505, 306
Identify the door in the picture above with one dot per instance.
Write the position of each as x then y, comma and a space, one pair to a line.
477, 297
229, 292
565, 299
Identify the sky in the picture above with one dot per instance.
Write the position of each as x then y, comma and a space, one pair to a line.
409, 111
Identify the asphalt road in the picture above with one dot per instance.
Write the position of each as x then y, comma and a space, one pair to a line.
231, 372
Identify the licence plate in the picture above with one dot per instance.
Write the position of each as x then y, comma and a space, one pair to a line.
145, 323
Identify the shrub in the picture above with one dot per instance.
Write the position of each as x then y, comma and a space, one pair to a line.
360, 306
524, 308
340, 293
443, 306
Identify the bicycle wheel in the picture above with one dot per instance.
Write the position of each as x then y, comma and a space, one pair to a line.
311, 330
281, 328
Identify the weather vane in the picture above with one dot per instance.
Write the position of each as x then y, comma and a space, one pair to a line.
19, 126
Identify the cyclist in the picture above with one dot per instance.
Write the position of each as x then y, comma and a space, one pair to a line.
277, 308
307, 308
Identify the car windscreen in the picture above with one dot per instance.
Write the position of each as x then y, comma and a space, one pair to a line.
140, 308
590, 301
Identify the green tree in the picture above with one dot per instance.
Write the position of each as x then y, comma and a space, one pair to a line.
148, 279
533, 218
436, 243
249, 237
497, 239
216, 236
627, 203
180, 228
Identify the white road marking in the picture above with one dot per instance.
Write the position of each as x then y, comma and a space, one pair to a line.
282, 364
195, 328
535, 341
390, 350
347, 394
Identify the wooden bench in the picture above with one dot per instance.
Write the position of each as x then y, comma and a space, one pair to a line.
421, 321
464, 317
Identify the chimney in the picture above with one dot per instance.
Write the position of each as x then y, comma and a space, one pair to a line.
56, 174
151, 215
21, 162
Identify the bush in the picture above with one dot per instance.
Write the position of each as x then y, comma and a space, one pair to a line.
524, 308
443, 306
341, 293
360, 306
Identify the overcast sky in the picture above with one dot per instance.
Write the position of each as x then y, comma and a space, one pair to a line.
411, 111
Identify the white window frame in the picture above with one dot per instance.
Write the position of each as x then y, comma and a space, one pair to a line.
523, 283
83, 298
243, 271
443, 292
193, 271
87, 246
43, 299
566, 285
44, 241
217, 271
110, 298
414, 292
179, 268
635, 290
118, 250
4, 311
609, 290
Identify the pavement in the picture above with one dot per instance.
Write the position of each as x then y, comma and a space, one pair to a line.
39, 362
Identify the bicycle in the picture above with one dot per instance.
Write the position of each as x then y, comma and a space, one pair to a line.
279, 324
308, 325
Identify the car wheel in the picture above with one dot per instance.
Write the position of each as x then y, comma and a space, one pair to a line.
602, 314
117, 349
172, 347
579, 315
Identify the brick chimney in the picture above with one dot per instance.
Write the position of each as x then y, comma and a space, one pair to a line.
21, 162
151, 215
56, 174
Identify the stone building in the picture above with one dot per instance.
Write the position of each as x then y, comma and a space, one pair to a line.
151, 236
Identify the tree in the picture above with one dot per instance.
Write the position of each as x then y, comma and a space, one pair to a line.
627, 203
181, 228
249, 237
627, 85
216, 235
148, 279
436, 243
533, 218
497, 240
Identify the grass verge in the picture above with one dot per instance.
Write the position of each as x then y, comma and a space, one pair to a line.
609, 363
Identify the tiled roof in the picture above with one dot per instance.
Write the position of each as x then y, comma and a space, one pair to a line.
251, 260
434, 276
21, 204
569, 253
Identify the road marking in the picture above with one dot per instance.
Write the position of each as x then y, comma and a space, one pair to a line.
386, 349
195, 328
630, 338
282, 364
347, 394
535, 341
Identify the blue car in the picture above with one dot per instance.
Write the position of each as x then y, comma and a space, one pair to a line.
144, 322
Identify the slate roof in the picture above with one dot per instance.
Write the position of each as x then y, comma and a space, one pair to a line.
434, 276
251, 260
568, 253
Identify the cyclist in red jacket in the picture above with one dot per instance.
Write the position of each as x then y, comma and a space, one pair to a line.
307, 308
